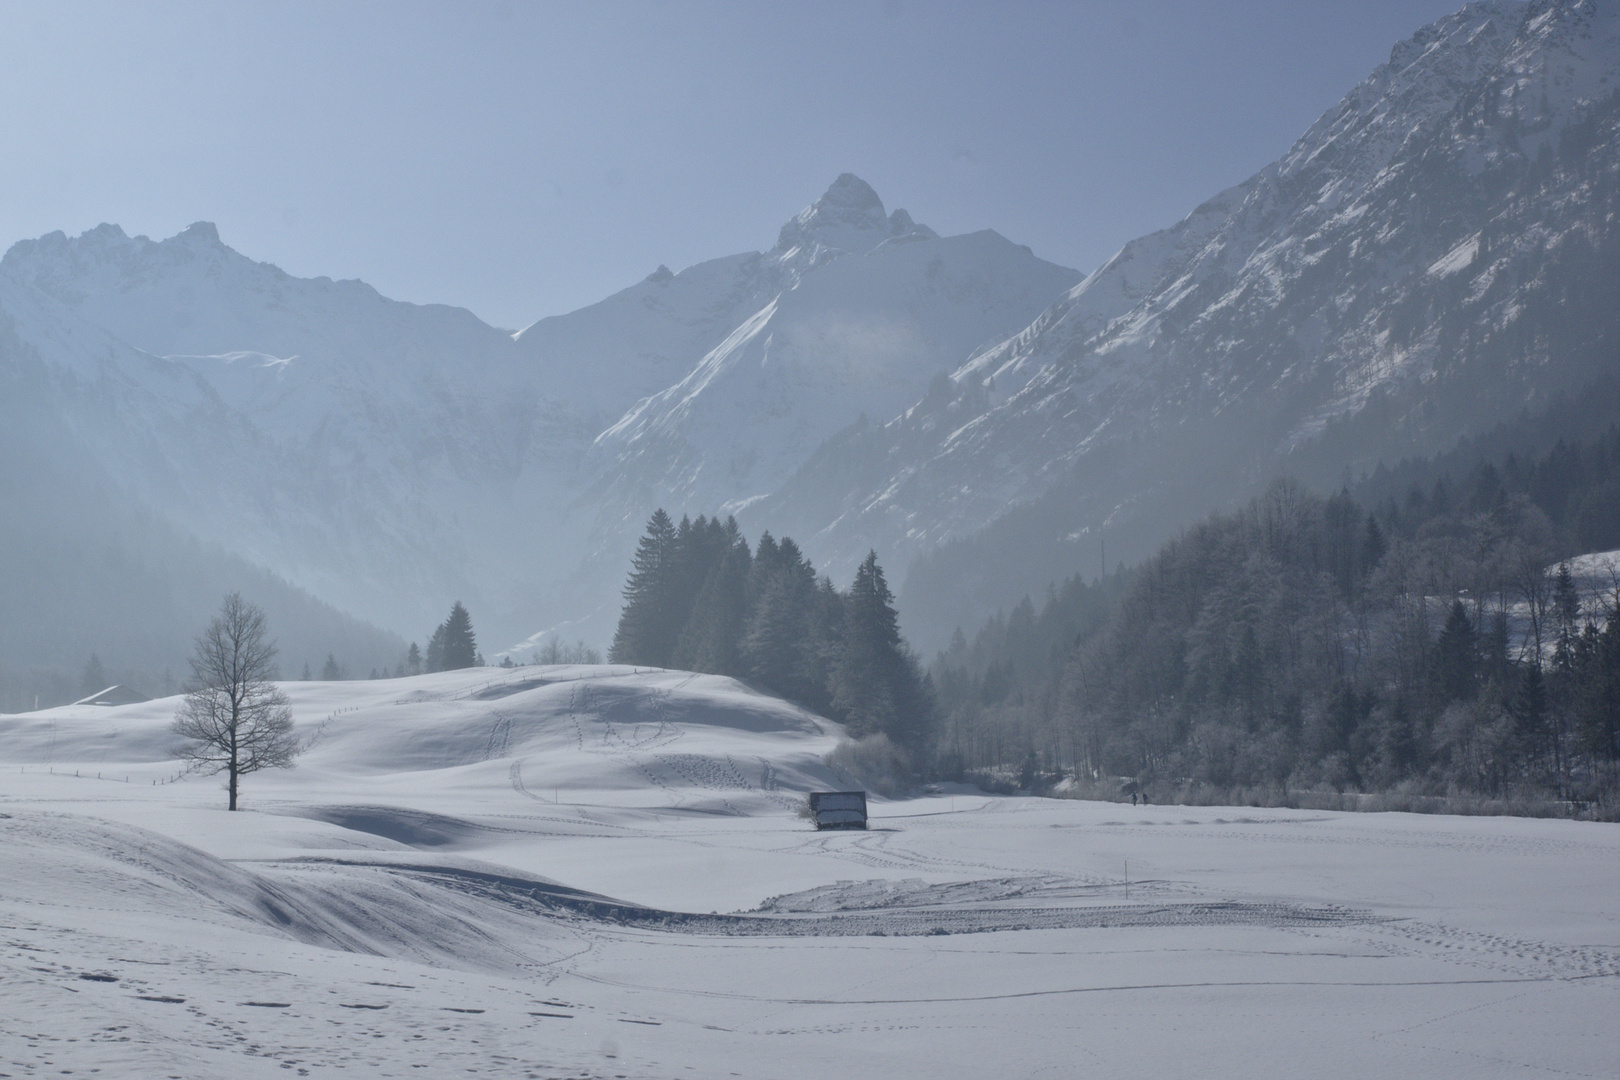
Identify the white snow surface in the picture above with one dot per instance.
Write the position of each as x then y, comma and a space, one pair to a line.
599, 872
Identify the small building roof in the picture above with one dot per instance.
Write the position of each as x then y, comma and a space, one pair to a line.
114, 695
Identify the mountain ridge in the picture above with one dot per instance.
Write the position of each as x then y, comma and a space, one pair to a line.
1334, 292
372, 439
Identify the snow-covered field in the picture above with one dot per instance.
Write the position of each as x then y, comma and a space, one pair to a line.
599, 872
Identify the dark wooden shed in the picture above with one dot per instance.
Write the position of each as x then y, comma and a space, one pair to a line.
838, 809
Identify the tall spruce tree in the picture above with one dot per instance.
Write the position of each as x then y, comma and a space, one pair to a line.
1456, 656
435, 650
460, 644
712, 637
1597, 691
647, 628
877, 686
94, 678
780, 640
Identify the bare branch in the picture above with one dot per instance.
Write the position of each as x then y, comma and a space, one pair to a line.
234, 719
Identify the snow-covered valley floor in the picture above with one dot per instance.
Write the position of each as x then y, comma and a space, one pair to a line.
599, 872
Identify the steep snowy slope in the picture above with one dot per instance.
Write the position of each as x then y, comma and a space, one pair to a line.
860, 335
1434, 254
606, 357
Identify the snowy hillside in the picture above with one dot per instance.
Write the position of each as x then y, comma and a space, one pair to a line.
668, 739
598, 872
1434, 254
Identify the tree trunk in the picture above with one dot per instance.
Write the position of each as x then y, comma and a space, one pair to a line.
233, 788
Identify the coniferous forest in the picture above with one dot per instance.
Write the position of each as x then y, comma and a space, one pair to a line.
1413, 644
698, 598
1360, 642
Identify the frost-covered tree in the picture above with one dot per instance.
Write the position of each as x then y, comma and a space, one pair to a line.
234, 719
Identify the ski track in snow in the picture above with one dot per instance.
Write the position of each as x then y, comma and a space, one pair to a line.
600, 873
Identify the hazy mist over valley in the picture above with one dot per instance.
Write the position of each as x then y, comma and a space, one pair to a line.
573, 435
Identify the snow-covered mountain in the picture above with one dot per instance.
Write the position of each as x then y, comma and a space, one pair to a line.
651, 334
312, 426
1437, 252
873, 307
391, 457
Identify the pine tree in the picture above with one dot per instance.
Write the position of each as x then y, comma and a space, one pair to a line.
647, 630
1597, 691
780, 640
712, 637
435, 650
331, 672
94, 678
460, 645
1566, 617
1456, 656
1372, 546
413, 660
824, 646
1530, 729
877, 686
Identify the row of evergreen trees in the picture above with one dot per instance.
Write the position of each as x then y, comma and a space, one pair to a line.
698, 598
452, 646
1304, 641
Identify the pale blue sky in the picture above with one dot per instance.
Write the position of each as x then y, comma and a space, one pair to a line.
524, 159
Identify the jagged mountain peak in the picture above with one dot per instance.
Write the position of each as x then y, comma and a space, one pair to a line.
107, 258
1436, 251
848, 217
198, 232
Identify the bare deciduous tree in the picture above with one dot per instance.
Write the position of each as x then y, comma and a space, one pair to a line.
235, 719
